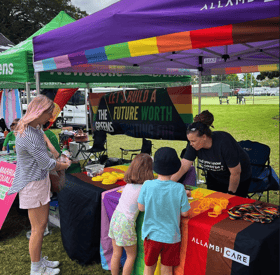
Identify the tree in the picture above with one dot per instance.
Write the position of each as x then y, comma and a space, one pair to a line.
22, 18
219, 78
269, 75
247, 81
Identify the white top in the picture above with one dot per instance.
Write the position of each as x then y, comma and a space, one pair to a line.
33, 161
128, 204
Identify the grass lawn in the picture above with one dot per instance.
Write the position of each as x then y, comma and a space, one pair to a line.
257, 122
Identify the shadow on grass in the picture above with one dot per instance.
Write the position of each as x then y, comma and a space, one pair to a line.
14, 248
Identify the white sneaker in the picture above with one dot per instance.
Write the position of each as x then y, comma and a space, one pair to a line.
44, 270
47, 263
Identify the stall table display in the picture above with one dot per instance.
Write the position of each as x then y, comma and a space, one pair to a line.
80, 214
210, 245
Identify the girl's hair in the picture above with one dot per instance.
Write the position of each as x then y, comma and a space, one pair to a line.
140, 169
202, 124
35, 109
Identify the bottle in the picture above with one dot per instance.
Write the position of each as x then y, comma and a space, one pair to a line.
6, 132
8, 148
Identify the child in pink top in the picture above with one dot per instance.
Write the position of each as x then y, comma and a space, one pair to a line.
123, 222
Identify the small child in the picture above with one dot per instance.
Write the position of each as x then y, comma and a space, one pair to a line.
123, 222
164, 202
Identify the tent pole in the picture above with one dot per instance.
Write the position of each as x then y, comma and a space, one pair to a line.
199, 91
37, 77
86, 97
27, 85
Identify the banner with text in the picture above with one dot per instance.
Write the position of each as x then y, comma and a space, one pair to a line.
7, 171
161, 113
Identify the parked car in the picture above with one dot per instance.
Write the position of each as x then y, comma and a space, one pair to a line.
74, 113
243, 92
274, 91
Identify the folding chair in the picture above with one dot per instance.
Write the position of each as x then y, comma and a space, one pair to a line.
98, 149
262, 173
146, 148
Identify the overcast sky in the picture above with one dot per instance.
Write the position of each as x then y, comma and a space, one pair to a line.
92, 6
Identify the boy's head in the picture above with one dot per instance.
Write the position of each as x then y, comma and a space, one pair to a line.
166, 161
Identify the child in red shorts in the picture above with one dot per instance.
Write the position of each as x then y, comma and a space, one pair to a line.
164, 202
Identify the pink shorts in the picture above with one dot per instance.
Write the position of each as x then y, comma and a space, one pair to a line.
35, 194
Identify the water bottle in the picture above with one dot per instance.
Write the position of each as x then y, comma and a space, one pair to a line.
8, 148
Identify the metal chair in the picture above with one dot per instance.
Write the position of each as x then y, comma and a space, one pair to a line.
146, 148
98, 149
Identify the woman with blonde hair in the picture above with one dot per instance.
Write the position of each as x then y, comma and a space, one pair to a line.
32, 178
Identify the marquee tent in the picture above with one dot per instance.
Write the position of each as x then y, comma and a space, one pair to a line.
163, 36
16, 62
5, 43
16, 67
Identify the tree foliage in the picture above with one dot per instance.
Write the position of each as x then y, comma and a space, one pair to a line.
269, 75
21, 18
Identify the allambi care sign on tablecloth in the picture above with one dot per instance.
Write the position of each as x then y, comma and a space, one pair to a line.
7, 171
160, 113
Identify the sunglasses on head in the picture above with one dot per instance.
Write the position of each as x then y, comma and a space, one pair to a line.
14, 124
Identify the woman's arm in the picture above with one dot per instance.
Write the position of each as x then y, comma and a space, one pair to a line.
51, 147
62, 165
185, 166
234, 178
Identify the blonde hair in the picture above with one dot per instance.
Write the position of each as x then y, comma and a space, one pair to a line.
35, 109
140, 169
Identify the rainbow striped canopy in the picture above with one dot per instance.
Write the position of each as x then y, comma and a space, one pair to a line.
166, 37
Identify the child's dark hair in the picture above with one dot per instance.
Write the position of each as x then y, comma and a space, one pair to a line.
201, 124
140, 170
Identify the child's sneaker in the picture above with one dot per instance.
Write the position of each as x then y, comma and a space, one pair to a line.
51, 264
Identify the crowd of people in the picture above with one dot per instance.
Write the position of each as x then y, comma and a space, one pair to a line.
163, 199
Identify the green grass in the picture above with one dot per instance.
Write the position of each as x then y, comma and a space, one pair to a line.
258, 122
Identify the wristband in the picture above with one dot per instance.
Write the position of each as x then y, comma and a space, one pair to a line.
231, 193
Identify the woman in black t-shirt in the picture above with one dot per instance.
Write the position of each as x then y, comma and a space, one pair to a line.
227, 164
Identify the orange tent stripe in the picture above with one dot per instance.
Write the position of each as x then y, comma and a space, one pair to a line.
174, 42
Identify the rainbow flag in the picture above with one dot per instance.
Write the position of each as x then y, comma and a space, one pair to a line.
60, 100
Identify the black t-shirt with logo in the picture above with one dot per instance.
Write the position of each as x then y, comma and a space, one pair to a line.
225, 153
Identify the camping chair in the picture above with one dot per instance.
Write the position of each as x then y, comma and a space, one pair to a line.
146, 148
98, 149
262, 173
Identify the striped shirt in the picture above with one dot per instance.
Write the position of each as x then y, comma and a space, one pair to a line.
33, 161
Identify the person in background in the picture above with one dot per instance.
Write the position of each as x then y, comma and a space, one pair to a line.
10, 137
52, 138
227, 164
164, 202
123, 222
32, 180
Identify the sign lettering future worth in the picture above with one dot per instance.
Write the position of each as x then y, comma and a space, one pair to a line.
162, 113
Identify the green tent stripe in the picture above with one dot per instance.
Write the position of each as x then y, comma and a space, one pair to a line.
117, 51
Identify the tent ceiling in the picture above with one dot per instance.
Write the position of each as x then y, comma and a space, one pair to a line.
164, 36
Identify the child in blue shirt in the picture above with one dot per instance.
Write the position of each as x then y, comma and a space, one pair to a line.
164, 202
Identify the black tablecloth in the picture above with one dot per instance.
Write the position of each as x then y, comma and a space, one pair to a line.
80, 219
